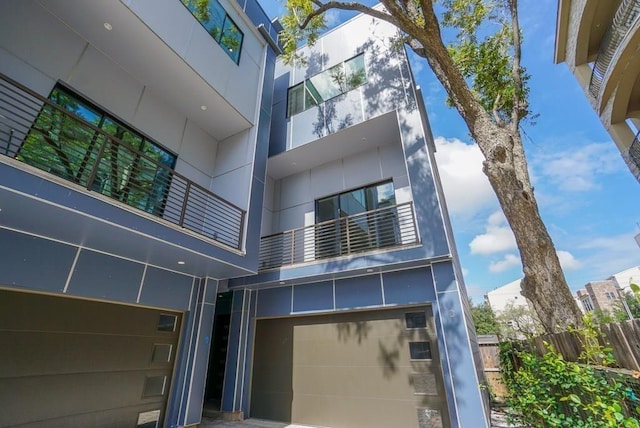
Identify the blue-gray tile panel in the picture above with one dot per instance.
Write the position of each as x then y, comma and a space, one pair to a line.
274, 301
166, 289
313, 297
211, 291
31, 262
461, 364
358, 292
408, 286
231, 367
101, 276
444, 277
200, 365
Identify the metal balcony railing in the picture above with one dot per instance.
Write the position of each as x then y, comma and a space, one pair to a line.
626, 15
387, 227
38, 132
633, 158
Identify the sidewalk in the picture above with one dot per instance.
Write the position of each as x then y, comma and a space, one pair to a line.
498, 420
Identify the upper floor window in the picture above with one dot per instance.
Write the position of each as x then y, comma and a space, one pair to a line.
337, 80
358, 220
132, 169
218, 24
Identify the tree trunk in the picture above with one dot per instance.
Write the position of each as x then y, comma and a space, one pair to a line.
544, 283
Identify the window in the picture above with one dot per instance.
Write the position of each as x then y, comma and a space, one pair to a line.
167, 322
148, 419
587, 304
610, 295
416, 319
420, 350
218, 24
136, 172
161, 353
154, 386
332, 82
347, 222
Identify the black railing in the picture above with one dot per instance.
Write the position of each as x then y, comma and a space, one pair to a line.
625, 16
633, 159
387, 227
38, 132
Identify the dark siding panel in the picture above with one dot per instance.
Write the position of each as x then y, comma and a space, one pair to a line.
102, 276
408, 286
31, 262
166, 289
358, 292
313, 297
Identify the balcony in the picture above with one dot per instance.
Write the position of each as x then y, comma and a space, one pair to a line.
633, 158
626, 15
384, 228
38, 132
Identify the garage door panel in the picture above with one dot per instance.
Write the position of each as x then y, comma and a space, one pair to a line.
107, 363
73, 353
58, 396
368, 381
349, 370
64, 316
354, 412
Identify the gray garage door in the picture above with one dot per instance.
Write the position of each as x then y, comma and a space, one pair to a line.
76, 363
360, 369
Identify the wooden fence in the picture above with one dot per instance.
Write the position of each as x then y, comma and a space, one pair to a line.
490, 353
622, 337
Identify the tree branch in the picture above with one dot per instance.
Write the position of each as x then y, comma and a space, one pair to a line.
519, 104
324, 7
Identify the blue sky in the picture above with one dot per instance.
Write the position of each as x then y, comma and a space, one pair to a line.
588, 199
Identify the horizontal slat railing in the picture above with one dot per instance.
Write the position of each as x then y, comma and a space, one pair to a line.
633, 157
42, 134
387, 227
626, 15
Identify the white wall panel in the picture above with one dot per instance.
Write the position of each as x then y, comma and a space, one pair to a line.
198, 148
119, 93
234, 186
159, 120
361, 169
157, 13
234, 152
295, 190
46, 44
327, 179
392, 160
294, 217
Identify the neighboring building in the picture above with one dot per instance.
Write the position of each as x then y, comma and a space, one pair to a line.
598, 41
143, 157
624, 279
513, 311
603, 296
608, 295
508, 295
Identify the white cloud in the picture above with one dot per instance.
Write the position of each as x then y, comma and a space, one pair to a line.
576, 170
509, 261
497, 238
466, 187
567, 261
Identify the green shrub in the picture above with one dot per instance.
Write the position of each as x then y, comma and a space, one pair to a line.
548, 391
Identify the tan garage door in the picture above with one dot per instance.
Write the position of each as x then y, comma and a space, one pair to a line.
77, 363
360, 369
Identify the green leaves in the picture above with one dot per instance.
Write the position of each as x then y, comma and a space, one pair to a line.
484, 53
547, 391
299, 23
